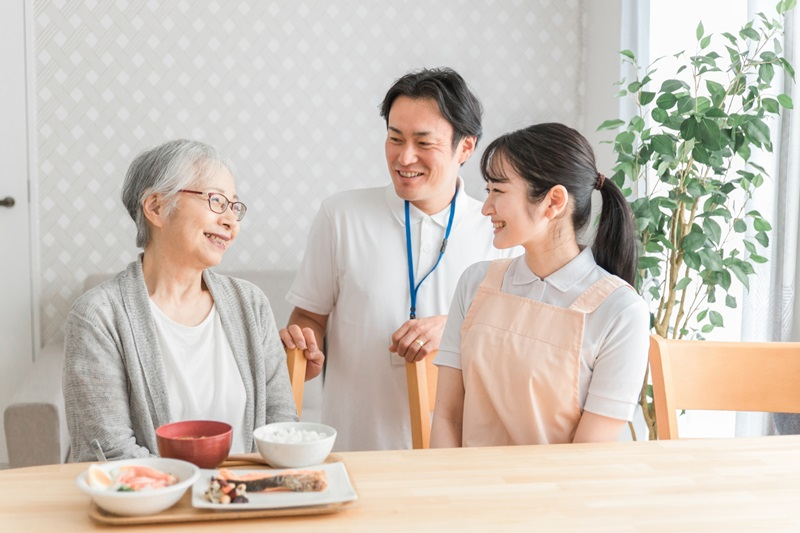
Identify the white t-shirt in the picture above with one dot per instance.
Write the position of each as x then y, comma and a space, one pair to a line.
203, 380
355, 270
615, 340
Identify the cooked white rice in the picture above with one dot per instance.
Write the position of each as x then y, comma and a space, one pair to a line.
294, 436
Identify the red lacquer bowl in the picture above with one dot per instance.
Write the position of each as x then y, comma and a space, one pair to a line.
205, 443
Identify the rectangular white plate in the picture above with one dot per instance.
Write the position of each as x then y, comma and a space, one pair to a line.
339, 490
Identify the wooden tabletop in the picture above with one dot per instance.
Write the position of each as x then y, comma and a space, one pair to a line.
688, 485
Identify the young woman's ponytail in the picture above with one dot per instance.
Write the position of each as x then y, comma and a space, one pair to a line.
614, 245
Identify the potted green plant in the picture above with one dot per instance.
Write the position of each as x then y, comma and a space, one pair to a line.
685, 161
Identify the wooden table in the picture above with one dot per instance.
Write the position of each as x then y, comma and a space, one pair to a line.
688, 485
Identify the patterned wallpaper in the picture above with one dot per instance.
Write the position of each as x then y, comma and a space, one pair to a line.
288, 89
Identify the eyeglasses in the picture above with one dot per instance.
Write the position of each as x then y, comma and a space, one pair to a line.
218, 203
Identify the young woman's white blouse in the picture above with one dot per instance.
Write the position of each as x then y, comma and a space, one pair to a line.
616, 334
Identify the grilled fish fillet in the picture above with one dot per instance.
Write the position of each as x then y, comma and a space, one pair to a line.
293, 480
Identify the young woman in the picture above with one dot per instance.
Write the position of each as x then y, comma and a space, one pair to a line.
549, 347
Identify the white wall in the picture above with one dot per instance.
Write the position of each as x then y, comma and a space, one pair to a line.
288, 89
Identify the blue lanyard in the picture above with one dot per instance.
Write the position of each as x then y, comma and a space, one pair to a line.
414, 288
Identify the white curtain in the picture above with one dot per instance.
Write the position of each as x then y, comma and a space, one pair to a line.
634, 36
772, 290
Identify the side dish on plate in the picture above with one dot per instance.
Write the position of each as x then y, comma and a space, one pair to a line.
138, 487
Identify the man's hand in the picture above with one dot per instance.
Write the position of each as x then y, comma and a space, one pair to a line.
302, 332
418, 337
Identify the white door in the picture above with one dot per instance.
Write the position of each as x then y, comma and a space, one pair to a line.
16, 302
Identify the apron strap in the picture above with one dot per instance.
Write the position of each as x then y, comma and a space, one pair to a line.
597, 293
494, 277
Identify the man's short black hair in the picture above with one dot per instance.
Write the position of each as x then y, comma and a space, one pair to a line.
457, 104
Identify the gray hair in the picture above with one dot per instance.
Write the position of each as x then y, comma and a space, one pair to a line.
165, 170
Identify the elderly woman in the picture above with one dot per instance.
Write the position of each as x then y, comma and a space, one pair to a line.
167, 339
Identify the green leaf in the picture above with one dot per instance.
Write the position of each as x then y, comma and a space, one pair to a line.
693, 241
702, 315
666, 100
645, 97
730, 37
628, 54
694, 189
744, 151
705, 41
768, 56
692, 260
725, 279
670, 86
730, 301
787, 66
766, 72
659, 115
740, 274
689, 128
758, 258
749, 33
761, 225
763, 239
709, 134
712, 230
715, 318
663, 144
739, 225
648, 262
770, 105
785, 5
699, 31
611, 124
635, 86
710, 259
716, 90
701, 155
785, 101
708, 328
757, 131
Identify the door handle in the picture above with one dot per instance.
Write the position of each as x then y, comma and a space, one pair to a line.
7, 202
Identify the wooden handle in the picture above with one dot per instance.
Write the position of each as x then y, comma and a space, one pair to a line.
296, 362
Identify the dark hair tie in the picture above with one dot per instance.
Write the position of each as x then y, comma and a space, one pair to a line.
600, 180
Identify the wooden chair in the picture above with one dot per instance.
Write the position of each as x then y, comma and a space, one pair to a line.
722, 376
421, 382
296, 362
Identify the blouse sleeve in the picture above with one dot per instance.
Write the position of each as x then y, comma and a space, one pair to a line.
621, 361
315, 287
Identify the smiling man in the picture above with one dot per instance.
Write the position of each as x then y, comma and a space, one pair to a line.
381, 265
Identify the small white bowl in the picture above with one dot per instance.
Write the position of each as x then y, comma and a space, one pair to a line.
294, 454
143, 502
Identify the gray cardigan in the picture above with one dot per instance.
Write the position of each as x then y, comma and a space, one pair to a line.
114, 382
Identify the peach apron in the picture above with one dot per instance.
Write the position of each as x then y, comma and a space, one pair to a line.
521, 362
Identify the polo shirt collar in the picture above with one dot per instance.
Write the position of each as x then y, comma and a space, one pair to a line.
563, 279
397, 206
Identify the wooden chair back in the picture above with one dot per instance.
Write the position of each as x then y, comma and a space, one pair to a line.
722, 376
421, 381
296, 362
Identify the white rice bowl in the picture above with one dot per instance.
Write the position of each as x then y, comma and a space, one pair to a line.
294, 444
